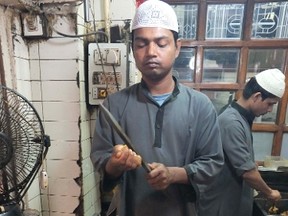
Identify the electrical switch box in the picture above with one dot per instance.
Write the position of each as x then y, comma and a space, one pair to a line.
33, 25
106, 70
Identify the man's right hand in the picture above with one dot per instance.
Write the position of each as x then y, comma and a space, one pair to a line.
121, 160
274, 195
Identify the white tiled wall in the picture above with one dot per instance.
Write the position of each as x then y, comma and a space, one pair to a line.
61, 112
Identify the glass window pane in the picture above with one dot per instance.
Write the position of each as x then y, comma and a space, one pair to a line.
220, 65
270, 20
224, 21
187, 19
286, 116
284, 149
262, 59
220, 99
184, 65
262, 143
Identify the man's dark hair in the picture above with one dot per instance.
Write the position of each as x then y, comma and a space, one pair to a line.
252, 87
175, 36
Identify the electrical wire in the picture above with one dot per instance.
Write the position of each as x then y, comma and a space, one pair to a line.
46, 12
81, 35
75, 36
115, 77
98, 47
39, 9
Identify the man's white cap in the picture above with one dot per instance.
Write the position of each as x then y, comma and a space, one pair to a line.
155, 13
272, 80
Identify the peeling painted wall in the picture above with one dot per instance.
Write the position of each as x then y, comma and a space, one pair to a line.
46, 71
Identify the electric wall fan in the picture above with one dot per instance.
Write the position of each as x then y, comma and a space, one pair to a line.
23, 146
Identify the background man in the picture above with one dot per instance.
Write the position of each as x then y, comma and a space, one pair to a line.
232, 192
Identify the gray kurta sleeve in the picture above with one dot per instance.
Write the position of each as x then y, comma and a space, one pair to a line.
209, 158
237, 145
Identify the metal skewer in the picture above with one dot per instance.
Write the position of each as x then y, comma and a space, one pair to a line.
112, 121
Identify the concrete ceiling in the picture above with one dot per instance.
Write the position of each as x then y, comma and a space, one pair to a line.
10, 2
19, 3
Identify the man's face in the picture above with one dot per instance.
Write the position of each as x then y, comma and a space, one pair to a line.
154, 51
264, 106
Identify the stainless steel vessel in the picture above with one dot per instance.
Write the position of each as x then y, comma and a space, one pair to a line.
276, 180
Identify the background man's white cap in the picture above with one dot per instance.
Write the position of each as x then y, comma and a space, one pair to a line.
155, 13
272, 80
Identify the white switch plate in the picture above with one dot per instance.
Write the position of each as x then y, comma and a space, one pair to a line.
33, 25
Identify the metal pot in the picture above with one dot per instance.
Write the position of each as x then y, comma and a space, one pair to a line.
262, 205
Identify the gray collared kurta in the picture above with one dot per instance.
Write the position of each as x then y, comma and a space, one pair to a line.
183, 132
229, 195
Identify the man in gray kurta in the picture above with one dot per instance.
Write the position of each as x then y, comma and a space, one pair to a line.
188, 138
232, 191
173, 127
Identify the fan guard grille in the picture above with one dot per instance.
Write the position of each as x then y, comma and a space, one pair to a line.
22, 135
